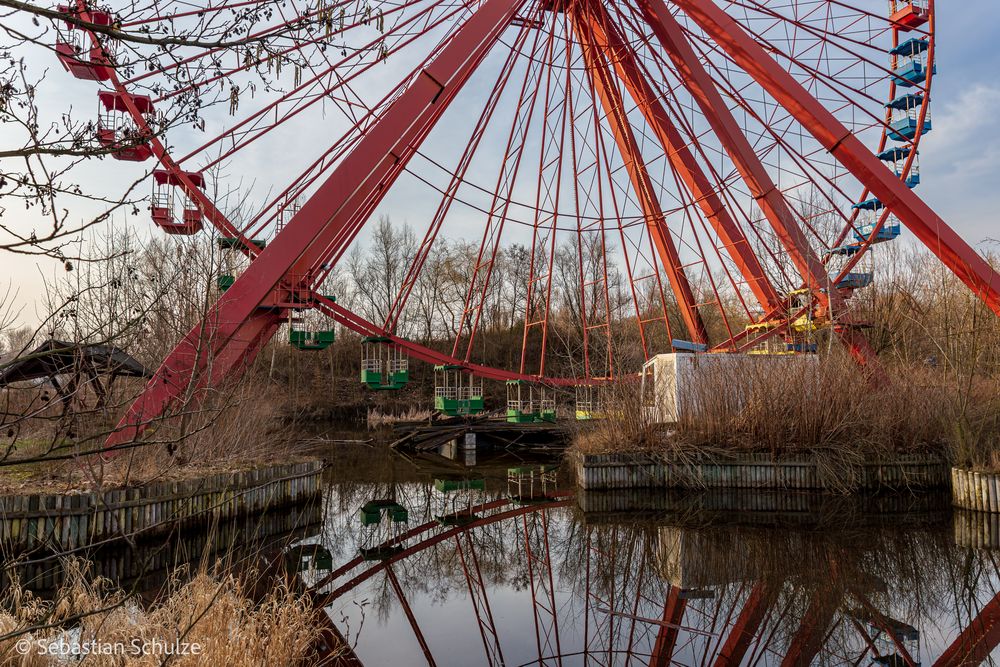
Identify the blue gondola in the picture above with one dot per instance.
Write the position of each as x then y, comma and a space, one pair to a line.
905, 115
896, 156
855, 280
687, 346
910, 67
889, 231
845, 250
866, 223
872, 204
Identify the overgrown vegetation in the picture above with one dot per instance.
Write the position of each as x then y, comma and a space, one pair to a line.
239, 426
211, 611
827, 408
939, 344
939, 348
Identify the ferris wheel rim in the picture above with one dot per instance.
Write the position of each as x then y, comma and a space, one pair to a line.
168, 161
913, 146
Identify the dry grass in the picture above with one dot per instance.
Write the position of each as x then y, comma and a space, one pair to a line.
828, 409
378, 419
625, 427
237, 427
212, 611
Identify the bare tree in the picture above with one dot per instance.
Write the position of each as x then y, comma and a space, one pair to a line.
379, 269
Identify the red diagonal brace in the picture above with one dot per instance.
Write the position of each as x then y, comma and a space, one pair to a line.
977, 641
254, 334
808, 639
747, 625
886, 625
327, 221
925, 224
666, 638
617, 51
405, 604
767, 195
606, 88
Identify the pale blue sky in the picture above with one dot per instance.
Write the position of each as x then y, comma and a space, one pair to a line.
960, 159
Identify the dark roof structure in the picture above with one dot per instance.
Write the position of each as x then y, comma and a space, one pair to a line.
54, 357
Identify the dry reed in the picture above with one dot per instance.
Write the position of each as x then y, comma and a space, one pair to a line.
212, 611
827, 409
379, 419
236, 428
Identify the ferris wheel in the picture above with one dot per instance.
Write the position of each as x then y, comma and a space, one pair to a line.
704, 175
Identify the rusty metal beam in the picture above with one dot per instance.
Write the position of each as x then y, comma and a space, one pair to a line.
617, 51
417, 632
327, 220
977, 640
604, 84
765, 192
666, 638
919, 218
808, 639
756, 607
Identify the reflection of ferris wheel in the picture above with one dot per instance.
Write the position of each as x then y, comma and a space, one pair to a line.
648, 594
674, 170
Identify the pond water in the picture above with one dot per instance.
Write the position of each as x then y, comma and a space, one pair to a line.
462, 557
432, 561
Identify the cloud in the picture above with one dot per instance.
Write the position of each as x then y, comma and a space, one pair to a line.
964, 136
960, 162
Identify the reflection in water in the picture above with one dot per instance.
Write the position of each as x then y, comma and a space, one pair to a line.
144, 564
494, 568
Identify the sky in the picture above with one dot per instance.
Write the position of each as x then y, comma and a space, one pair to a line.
959, 157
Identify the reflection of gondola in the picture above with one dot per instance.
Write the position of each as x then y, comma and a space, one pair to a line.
382, 520
457, 497
313, 555
531, 484
380, 552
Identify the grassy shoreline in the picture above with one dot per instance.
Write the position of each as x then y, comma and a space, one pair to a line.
827, 409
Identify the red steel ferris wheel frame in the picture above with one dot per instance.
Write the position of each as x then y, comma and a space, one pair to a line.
280, 276
918, 217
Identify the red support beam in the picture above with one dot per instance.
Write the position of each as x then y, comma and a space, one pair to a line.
331, 646
604, 84
808, 639
255, 333
328, 220
886, 625
919, 218
666, 638
253, 336
977, 640
480, 598
616, 50
747, 625
765, 192
425, 527
409, 616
